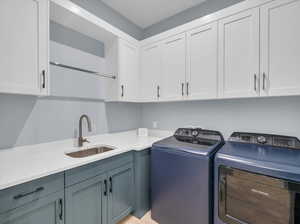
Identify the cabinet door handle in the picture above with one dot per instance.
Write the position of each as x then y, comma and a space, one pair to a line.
19, 196
111, 185
264, 81
182, 89
187, 88
61, 209
158, 92
43, 79
105, 187
255, 82
122, 90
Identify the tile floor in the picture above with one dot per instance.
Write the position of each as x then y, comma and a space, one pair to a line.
133, 220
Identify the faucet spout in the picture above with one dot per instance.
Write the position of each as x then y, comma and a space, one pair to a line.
81, 140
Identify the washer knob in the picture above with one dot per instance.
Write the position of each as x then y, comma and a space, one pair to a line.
261, 139
194, 133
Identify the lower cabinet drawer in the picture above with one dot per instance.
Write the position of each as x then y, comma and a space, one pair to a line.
20, 195
86, 172
46, 210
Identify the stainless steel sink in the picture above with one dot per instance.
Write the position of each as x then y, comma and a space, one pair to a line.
90, 152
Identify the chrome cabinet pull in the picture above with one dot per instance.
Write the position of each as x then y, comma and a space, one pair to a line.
19, 196
182, 89
158, 92
122, 90
43, 79
82, 70
264, 81
187, 88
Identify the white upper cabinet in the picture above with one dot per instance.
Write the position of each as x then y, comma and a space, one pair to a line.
248, 50
150, 72
128, 75
173, 67
239, 55
280, 48
202, 59
122, 60
24, 47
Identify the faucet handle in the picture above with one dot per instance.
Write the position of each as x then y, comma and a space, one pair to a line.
82, 140
85, 140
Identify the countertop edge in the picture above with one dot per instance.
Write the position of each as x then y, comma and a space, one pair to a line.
129, 142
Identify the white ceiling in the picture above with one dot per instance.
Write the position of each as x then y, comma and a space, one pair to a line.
148, 12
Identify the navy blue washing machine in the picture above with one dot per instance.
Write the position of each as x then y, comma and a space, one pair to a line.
182, 177
257, 179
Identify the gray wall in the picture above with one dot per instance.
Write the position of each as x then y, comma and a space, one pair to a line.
188, 15
30, 120
271, 115
70, 83
71, 38
98, 8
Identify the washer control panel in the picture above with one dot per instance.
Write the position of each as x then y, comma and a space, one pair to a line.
198, 136
266, 139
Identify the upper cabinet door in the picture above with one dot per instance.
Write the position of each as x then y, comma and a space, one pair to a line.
151, 72
24, 46
173, 67
202, 62
128, 71
280, 48
239, 55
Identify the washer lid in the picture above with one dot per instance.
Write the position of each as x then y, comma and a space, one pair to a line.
172, 144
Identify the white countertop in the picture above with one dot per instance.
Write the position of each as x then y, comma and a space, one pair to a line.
22, 164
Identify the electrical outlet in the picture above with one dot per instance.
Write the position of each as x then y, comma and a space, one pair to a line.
154, 124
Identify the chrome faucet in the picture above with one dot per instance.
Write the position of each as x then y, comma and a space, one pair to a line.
81, 140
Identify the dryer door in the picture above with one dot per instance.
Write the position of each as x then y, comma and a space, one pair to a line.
251, 198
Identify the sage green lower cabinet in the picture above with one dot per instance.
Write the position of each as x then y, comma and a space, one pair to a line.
142, 182
46, 210
98, 193
121, 187
86, 201
106, 197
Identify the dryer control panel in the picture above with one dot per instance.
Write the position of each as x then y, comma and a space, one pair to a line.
266, 139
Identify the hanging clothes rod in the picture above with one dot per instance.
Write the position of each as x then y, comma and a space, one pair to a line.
82, 70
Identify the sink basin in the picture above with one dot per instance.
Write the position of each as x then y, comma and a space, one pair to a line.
90, 152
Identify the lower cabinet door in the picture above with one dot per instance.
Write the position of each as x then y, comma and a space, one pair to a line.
121, 185
86, 201
47, 210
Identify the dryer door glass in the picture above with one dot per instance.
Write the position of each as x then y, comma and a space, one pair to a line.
251, 198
